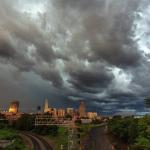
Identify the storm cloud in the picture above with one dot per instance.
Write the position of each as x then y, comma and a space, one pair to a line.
70, 50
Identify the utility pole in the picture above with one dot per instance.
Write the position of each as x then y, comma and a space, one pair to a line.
73, 141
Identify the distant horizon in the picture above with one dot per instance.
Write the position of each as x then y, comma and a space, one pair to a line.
118, 112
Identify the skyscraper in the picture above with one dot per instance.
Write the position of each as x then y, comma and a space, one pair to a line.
82, 110
50, 110
14, 106
46, 108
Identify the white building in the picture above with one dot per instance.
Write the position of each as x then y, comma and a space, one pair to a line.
92, 115
47, 109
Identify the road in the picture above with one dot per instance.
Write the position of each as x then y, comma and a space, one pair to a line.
98, 140
38, 142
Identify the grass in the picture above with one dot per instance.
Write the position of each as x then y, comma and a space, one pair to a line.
17, 145
10, 134
84, 129
61, 138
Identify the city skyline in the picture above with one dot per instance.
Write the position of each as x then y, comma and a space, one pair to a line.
14, 106
13, 112
98, 53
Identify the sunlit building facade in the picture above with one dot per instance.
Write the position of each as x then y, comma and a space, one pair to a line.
14, 107
51, 111
92, 115
46, 107
61, 112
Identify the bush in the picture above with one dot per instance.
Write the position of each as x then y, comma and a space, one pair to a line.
25, 122
78, 121
124, 128
46, 130
17, 145
135, 132
142, 143
8, 134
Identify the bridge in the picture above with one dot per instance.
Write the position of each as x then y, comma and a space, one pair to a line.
48, 120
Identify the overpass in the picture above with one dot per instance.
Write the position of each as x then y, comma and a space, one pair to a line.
48, 120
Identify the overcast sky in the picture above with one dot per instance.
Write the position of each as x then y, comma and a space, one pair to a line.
72, 50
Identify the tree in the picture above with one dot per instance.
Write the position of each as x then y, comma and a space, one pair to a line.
46, 130
25, 122
124, 128
142, 143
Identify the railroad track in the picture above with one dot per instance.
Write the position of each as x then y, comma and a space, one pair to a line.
38, 142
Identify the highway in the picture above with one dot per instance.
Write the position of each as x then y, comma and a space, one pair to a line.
38, 142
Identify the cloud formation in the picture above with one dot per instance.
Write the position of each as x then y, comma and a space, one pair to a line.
76, 49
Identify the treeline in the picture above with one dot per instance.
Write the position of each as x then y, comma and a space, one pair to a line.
26, 123
135, 132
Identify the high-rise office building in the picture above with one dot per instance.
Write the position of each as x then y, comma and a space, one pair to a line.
82, 109
14, 107
46, 107
51, 111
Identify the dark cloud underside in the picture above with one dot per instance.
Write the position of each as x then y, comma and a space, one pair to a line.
69, 50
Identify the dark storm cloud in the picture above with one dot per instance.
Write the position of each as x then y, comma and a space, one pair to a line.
108, 31
6, 48
52, 75
31, 34
91, 78
18, 33
81, 5
115, 44
75, 45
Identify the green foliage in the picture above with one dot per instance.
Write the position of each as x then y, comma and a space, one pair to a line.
17, 145
144, 126
96, 121
78, 121
142, 143
124, 128
61, 138
68, 116
135, 132
25, 122
3, 123
8, 134
46, 130
84, 129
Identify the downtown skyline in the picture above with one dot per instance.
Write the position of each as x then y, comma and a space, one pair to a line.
72, 50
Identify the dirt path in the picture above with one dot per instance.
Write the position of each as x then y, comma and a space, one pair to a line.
98, 140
